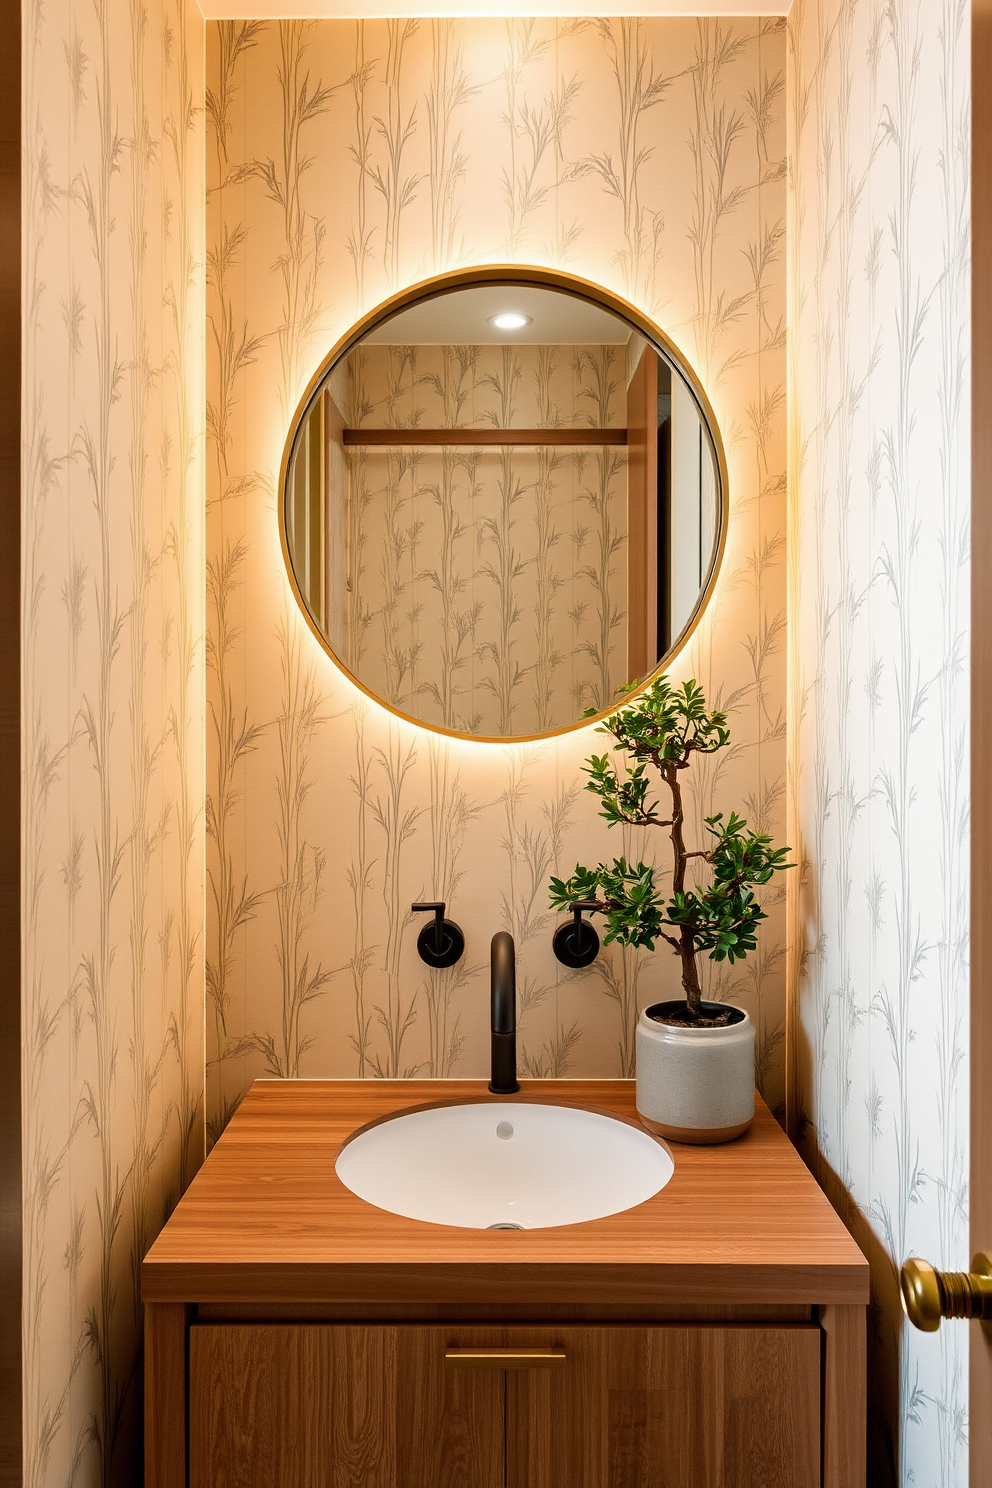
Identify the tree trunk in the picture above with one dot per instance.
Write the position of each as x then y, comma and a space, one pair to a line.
690, 974
687, 943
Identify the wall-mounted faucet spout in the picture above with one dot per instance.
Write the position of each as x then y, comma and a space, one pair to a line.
503, 1005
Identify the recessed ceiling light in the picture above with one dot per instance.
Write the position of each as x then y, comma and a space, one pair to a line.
509, 320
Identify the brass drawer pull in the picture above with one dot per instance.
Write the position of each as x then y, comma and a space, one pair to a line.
504, 1358
929, 1295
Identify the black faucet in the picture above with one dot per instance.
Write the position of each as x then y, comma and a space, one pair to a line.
503, 1006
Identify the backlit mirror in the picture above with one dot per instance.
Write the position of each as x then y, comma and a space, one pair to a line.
503, 502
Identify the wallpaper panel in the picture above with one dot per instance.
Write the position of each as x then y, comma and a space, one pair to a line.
879, 315
345, 160
112, 701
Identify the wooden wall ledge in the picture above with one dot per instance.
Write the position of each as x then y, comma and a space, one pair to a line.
477, 438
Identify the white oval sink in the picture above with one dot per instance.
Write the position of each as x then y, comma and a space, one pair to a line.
503, 1165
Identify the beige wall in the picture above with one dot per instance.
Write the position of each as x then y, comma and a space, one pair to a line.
112, 700
346, 160
879, 320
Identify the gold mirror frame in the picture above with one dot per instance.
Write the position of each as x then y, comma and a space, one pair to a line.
583, 289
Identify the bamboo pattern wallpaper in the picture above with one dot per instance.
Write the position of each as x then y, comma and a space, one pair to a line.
879, 320
113, 713
346, 159
486, 589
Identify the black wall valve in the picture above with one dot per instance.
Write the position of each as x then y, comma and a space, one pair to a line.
440, 942
576, 942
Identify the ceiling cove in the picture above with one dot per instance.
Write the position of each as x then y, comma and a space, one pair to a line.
277, 10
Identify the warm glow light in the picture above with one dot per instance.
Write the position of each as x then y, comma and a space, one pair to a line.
509, 320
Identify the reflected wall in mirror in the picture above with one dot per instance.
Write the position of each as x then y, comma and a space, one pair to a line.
503, 503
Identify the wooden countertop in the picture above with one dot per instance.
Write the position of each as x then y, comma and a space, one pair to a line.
267, 1220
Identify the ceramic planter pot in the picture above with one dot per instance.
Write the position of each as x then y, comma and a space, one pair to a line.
695, 1084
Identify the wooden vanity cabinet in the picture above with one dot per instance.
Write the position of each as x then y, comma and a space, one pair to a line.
295, 1337
312, 1406
306, 1406
669, 1407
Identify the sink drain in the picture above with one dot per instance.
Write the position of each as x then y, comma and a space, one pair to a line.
504, 1224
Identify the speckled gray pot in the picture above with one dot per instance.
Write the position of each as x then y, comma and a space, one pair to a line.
695, 1084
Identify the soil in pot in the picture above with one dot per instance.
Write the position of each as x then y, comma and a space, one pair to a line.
676, 1015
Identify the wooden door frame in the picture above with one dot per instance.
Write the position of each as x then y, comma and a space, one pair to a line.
980, 1057
642, 504
10, 750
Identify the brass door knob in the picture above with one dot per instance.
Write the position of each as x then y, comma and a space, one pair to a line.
929, 1295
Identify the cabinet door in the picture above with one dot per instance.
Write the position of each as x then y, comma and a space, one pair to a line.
318, 1406
668, 1407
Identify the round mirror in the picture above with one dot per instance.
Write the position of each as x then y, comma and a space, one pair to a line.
504, 500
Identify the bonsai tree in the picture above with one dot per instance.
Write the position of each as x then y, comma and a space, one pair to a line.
659, 734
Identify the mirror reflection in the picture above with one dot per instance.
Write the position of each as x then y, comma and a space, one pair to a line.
502, 505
